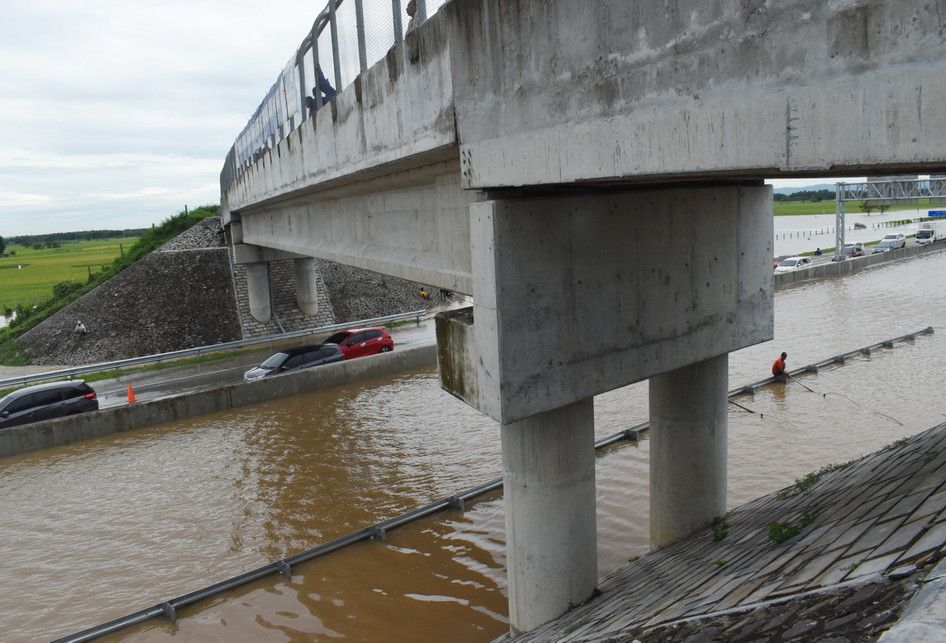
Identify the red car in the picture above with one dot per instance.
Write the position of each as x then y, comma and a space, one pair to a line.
358, 342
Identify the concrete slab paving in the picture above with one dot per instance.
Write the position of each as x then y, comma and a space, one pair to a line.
868, 566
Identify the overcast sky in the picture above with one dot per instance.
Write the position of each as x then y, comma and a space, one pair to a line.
117, 114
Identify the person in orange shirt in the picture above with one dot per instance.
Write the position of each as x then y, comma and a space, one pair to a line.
778, 369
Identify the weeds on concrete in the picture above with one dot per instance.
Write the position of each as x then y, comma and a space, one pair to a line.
720, 528
902, 442
719, 562
930, 454
802, 485
779, 532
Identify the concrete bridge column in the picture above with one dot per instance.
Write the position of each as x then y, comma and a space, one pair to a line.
307, 295
688, 419
257, 285
549, 496
578, 294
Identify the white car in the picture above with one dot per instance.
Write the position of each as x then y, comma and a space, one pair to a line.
793, 263
896, 240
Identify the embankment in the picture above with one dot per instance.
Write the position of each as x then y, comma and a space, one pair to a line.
176, 297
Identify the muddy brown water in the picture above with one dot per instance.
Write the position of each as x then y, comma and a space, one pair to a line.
94, 530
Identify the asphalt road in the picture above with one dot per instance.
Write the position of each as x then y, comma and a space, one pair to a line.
154, 385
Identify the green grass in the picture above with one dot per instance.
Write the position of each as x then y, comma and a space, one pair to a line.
795, 208
40, 270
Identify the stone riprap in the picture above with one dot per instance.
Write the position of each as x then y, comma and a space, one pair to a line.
205, 234
166, 301
873, 521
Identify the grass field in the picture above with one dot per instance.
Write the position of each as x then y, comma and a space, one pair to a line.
28, 278
790, 208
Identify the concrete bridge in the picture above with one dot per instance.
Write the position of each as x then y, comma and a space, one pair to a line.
592, 174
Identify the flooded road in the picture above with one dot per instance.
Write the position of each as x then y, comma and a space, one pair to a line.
803, 233
98, 529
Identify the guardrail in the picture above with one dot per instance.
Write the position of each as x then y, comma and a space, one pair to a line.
266, 340
457, 502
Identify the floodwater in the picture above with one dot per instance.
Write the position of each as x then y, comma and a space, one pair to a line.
804, 233
6, 320
98, 529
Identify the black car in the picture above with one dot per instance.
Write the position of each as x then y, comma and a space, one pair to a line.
295, 359
46, 401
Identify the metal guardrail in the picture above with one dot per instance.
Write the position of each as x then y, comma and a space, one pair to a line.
266, 340
379, 531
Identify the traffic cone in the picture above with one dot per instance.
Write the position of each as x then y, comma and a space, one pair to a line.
131, 394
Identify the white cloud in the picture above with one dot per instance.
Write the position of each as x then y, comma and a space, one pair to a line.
117, 114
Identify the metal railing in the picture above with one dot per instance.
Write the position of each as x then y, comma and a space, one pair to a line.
360, 32
266, 340
379, 531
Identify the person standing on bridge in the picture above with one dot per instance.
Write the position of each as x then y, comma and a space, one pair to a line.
323, 88
778, 369
414, 22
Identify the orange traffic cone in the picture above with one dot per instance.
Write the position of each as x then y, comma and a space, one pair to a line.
131, 394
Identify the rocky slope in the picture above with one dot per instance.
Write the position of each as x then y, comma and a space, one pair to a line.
177, 297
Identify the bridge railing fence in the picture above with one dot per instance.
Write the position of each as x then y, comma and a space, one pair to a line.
346, 37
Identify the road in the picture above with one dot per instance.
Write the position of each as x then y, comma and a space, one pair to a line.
153, 385
828, 256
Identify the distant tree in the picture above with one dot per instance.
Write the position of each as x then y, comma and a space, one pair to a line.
867, 206
883, 207
3, 245
37, 246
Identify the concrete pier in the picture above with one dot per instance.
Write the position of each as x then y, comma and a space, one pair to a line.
257, 281
688, 415
307, 293
549, 495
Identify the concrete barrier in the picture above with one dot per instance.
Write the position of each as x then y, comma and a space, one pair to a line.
837, 268
50, 433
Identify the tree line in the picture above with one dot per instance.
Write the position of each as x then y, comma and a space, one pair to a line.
806, 195
46, 240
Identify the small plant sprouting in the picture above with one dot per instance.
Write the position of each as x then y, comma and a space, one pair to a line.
930, 454
719, 562
720, 528
802, 485
896, 445
851, 567
779, 532
632, 559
